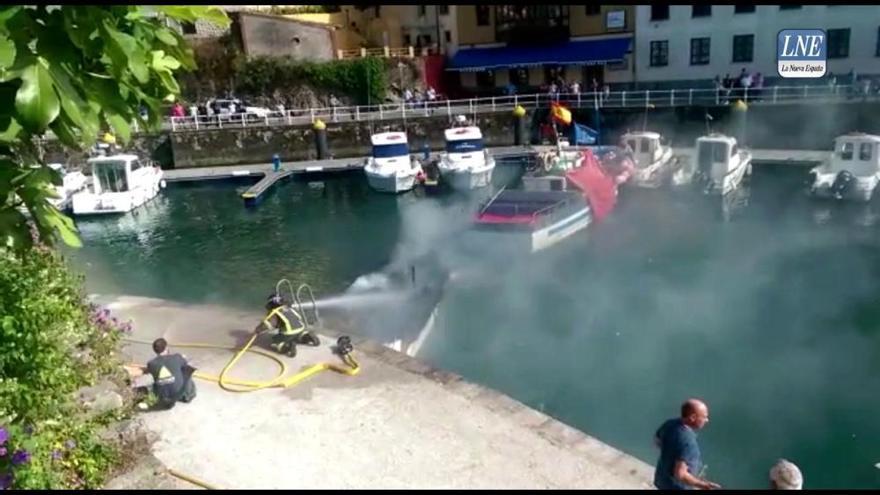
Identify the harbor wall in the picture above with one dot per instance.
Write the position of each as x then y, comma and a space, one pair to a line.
801, 126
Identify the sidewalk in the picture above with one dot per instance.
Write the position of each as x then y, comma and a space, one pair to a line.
398, 424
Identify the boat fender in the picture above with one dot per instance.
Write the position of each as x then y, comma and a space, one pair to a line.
162, 183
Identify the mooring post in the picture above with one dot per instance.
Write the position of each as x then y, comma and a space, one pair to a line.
320, 129
519, 120
276, 162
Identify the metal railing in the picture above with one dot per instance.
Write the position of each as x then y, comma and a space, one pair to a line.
386, 52
472, 106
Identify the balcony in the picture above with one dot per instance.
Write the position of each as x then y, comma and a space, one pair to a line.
531, 24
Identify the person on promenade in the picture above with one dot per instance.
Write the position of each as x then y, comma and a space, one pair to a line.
785, 475
680, 463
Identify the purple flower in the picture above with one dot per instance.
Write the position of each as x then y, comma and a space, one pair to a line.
20, 457
70, 444
6, 481
56, 454
4, 436
3, 451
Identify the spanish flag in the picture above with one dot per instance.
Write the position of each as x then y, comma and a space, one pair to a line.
560, 113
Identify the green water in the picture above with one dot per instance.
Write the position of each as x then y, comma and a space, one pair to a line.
772, 318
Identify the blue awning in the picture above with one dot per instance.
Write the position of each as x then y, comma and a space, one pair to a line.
585, 52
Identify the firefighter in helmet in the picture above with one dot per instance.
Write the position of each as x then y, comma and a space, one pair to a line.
290, 325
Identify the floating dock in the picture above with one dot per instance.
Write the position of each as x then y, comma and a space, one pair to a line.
270, 177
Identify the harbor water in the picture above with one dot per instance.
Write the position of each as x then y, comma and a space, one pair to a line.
771, 317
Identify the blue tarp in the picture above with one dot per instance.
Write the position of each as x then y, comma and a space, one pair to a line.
583, 135
584, 52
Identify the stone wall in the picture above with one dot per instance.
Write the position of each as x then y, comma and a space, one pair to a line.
256, 145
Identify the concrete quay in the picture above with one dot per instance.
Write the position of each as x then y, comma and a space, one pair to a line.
399, 423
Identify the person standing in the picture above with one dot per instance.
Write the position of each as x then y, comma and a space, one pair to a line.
680, 462
785, 475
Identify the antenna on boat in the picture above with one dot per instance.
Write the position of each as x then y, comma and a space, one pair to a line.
483, 209
708, 119
645, 119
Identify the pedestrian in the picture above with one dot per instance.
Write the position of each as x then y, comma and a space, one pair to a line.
575, 88
680, 464
606, 91
785, 475
172, 376
832, 82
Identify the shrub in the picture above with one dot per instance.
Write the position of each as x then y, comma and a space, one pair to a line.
53, 343
363, 79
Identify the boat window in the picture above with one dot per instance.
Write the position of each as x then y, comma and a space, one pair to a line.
390, 150
135, 164
646, 146
111, 176
733, 150
632, 145
713, 151
846, 151
865, 151
464, 146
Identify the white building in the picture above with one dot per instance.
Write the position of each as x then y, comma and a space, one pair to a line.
688, 45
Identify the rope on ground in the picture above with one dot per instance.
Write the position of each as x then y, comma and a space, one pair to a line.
194, 481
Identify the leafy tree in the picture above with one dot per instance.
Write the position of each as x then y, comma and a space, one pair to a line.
76, 71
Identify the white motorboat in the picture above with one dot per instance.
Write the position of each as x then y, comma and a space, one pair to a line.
466, 164
390, 168
853, 170
721, 165
653, 159
120, 183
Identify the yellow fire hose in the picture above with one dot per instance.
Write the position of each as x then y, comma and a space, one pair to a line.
280, 380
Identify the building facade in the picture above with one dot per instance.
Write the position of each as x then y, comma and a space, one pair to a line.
689, 45
523, 48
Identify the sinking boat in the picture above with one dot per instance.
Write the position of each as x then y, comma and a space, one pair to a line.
721, 166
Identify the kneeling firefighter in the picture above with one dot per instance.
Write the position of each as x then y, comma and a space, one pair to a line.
290, 325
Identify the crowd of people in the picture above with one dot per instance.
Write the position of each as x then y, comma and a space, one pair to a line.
747, 86
680, 466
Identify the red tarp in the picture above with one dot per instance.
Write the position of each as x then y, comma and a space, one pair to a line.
599, 187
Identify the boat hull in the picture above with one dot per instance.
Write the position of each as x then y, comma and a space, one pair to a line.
394, 183
861, 189
656, 174
87, 203
466, 178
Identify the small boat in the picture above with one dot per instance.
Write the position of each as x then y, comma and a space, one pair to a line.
721, 165
391, 168
466, 164
852, 172
120, 183
533, 220
653, 160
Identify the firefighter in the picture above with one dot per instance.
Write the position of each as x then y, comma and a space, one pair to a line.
290, 325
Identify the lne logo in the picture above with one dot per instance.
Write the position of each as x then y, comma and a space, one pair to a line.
801, 53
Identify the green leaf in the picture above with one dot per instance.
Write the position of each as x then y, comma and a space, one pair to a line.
7, 52
137, 64
74, 106
10, 133
62, 223
36, 101
168, 81
165, 36
163, 62
120, 126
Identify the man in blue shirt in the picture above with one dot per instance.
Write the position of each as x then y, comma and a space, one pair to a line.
680, 463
